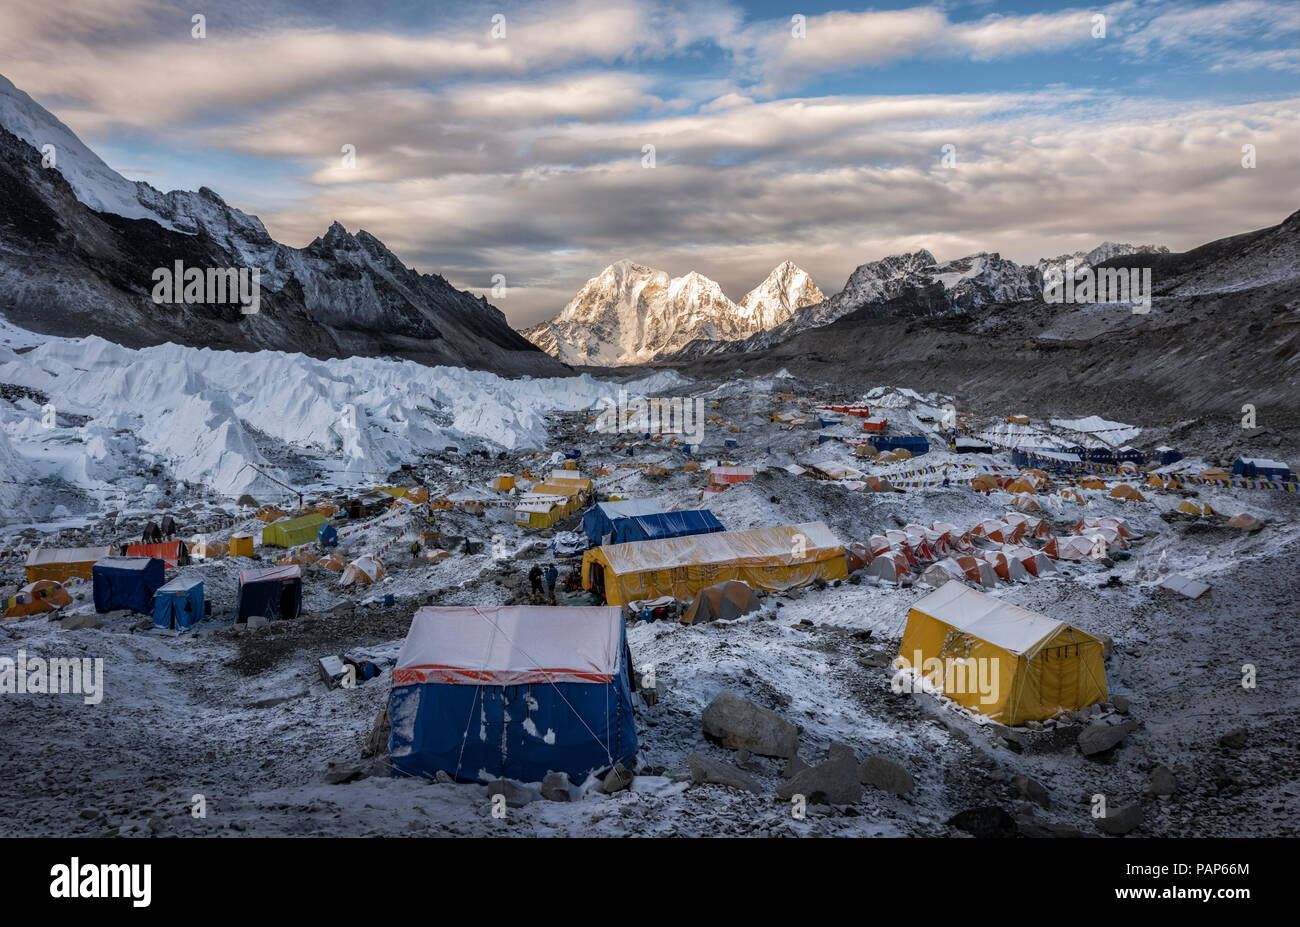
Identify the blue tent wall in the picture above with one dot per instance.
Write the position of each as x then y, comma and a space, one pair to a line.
179, 604
327, 535
664, 525
592, 722
916, 445
1250, 469
127, 582
264, 598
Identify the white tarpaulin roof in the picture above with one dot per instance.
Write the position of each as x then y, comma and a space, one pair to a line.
631, 508
1007, 626
787, 544
43, 556
510, 645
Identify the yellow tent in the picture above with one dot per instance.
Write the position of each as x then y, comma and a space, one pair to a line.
1188, 507
43, 595
1091, 482
1127, 492
503, 481
61, 564
1000, 660
241, 545
775, 559
548, 502
293, 531
206, 548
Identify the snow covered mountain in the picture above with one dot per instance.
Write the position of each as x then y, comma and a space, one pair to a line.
630, 313
79, 245
1105, 251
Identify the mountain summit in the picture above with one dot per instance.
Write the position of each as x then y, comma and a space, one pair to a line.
631, 314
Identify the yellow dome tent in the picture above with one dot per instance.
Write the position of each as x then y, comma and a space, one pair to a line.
44, 595
1127, 493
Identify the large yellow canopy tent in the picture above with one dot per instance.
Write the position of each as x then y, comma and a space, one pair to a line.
293, 531
61, 564
775, 559
1000, 660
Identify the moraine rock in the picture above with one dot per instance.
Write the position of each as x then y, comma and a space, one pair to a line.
705, 769
887, 775
1120, 821
741, 725
1100, 737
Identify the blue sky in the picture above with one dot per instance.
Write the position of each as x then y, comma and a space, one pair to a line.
522, 155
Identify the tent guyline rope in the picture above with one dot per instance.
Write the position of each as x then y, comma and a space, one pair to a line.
594, 736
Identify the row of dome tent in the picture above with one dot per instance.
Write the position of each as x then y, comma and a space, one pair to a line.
1018, 548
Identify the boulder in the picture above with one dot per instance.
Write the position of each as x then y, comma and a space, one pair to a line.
1032, 790
556, 787
1162, 782
341, 773
833, 782
1120, 820
887, 775
985, 821
705, 769
793, 767
1235, 739
618, 778
377, 742
741, 725
1100, 737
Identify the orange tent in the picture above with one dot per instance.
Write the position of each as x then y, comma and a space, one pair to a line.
335, 563
1126, 492
1245, 522
1091, 482
1020, 485
269, 513
984, 482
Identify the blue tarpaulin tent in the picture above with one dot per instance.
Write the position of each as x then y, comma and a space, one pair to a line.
327, 535
598, 522
127, 582
274, 593
664, 525
1257, 468
547, 688
916, 445
179, 604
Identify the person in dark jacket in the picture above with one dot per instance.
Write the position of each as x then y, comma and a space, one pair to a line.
552, 576
535, 578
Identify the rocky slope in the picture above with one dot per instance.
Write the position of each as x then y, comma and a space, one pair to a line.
79, 244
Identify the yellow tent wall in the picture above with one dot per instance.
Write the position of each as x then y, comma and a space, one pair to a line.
61, 564
1063, 669
293, 532
775, 559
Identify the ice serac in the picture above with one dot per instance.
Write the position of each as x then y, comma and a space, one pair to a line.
630, 313
79, 244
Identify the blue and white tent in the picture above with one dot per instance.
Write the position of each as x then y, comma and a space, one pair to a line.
483, 693
664, 525
179, 604
127, 582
